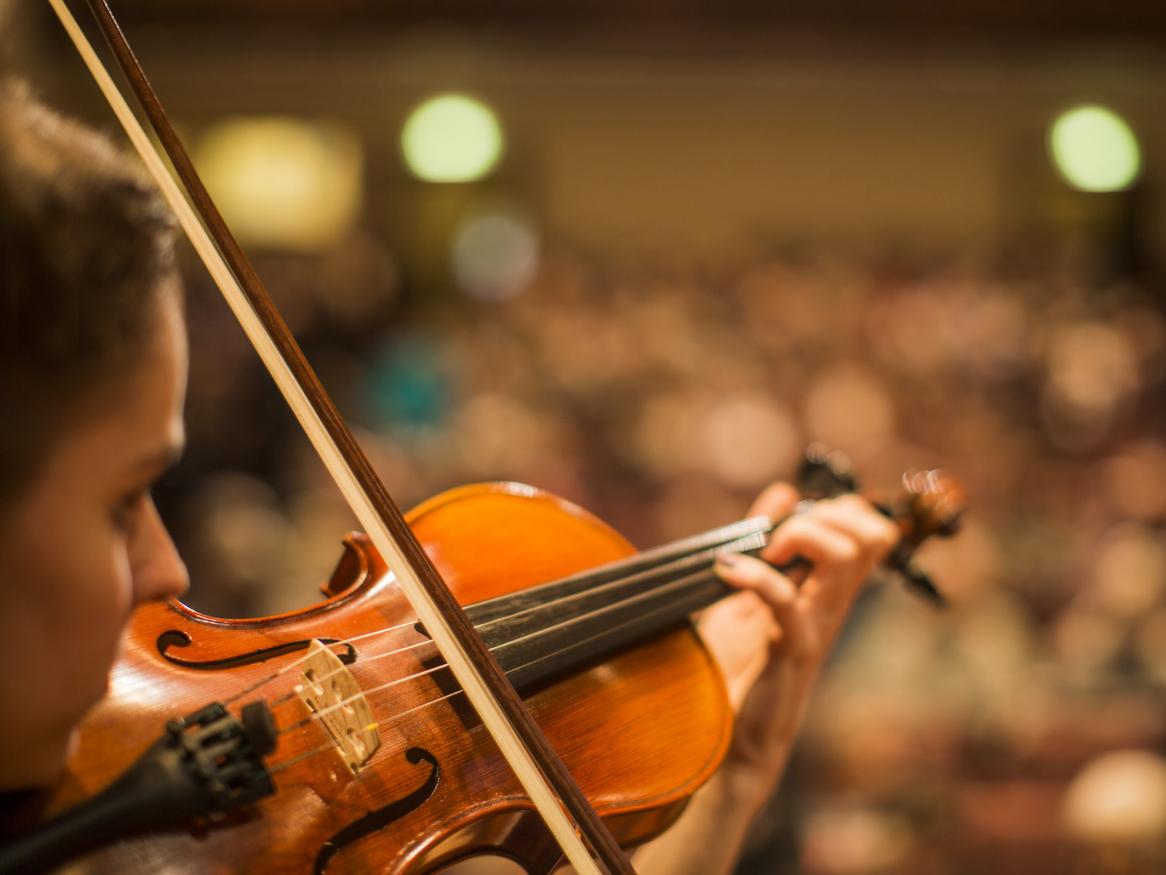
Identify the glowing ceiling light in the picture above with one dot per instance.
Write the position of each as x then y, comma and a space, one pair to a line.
452, 138
1094, 149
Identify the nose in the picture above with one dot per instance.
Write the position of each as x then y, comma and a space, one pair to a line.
158, 571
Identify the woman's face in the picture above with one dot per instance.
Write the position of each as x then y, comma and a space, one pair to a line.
83, 545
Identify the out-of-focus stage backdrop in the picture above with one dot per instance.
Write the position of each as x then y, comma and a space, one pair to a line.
640, 255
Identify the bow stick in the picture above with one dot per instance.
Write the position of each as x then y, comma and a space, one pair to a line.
575, 825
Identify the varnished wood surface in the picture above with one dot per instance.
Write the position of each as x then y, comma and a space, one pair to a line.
639, 733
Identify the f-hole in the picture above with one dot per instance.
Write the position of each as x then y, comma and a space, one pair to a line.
382, 817
173, 638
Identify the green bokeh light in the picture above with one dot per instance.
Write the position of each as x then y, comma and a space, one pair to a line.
452, 138
1094, 149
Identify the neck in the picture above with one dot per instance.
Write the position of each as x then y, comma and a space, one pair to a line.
563, 625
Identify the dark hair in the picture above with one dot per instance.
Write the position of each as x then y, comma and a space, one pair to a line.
86, 245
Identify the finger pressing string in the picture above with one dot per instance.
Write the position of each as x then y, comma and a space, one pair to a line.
852, 516
796, 641
801, 535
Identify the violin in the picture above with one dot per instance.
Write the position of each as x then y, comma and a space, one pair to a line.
383, 729
371, 759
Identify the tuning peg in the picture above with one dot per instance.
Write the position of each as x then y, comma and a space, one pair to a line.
921, 583
825, 473
938, 501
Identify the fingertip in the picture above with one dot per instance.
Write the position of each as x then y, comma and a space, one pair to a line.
784, 543
756, 575
739, 568
778, 551
891, 534
729, 566
775, 501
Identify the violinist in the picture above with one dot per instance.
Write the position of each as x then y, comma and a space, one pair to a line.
93, 361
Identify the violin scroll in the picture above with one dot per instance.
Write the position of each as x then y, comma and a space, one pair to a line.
934, 503
930, 503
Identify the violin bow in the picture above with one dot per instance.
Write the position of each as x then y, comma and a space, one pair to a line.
583, 837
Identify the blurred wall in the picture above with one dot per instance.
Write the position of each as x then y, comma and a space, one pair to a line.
629, 141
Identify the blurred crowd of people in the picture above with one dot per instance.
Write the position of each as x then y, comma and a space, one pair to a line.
1017, 729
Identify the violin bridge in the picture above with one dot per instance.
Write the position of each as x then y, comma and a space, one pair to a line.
333, 695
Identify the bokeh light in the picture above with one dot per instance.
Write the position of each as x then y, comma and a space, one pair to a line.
1094, 149
1092, 375
1119, 796
494, 254
452, 138
283, 182
747, 439
848, 407
407, 384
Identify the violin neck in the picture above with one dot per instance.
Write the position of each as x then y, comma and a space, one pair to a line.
561, 626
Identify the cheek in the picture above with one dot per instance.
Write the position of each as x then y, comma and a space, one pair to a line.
111, 593
94, 607
70, 610
121, 592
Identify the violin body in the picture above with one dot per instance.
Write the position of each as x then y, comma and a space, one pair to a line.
639, 732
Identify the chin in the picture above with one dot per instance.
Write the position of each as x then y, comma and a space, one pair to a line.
40, 768
43, 759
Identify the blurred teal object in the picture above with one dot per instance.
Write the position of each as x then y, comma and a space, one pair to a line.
409, 383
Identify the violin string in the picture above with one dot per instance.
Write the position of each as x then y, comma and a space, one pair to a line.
654, 560
664, 567
316, 715
331, 746
276, 768
706, 557
701, 557
279, 700
684, 581
715, 537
